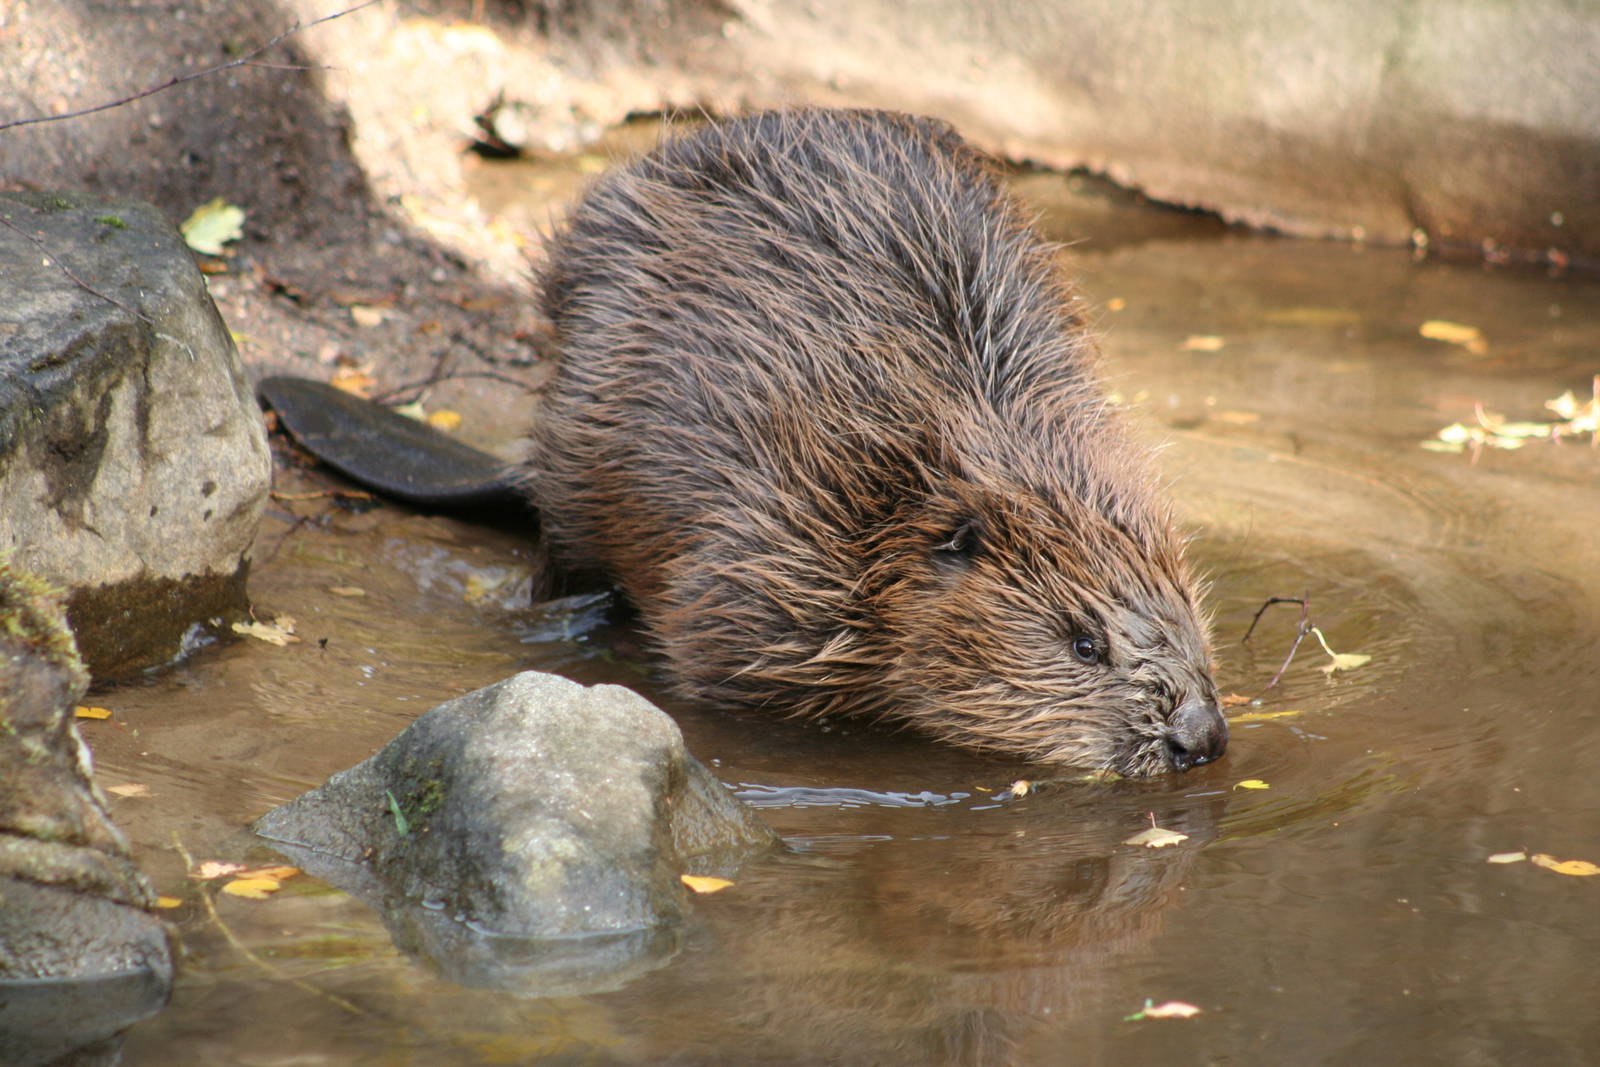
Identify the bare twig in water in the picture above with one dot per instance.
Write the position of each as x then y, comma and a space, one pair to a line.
1302, 629
179, 79
244, 950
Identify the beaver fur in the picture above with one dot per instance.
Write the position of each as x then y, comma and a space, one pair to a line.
826, 412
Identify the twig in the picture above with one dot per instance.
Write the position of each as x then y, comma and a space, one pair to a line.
244, 950
1302, 628
51, 257
179, 79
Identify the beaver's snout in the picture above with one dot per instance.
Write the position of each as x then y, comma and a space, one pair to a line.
1199, 734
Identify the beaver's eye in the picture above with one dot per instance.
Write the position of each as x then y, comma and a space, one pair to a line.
1086, 650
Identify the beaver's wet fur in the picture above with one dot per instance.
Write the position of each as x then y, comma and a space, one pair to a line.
826, 412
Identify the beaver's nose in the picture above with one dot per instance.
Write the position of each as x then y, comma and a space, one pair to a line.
1199, 734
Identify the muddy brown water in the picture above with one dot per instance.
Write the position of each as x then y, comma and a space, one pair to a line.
1345, 914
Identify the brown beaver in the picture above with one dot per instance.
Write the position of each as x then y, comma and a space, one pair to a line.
826, 412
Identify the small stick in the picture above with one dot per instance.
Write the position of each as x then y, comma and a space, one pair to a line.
1302, 628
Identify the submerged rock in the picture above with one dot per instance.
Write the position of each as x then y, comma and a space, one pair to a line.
133, 462
530, 834
82, 956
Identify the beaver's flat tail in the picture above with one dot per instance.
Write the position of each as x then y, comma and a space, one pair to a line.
398, 457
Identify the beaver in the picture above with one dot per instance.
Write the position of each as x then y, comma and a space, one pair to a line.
828, 414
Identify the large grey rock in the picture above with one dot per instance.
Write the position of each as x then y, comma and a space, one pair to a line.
133, 462
76, 929
545, 822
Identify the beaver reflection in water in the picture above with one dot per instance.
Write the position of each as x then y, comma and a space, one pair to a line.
825, 412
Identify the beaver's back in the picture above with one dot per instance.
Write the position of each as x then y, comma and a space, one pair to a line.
782, 340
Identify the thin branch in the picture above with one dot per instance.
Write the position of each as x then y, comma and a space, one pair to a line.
1302, 628
179, 79
51, 257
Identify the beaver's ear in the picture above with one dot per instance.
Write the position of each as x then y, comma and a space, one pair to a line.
960, 546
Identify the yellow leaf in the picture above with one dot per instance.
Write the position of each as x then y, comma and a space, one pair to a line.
210, 869
168, 902
1116, 303
1263, 716
252, 888
444, 419
354, 380
1156, 837
1252, 783
702, 884
128, 790
1508, 857
83, 712
1575, 868
212, 225
347, 590
366, 317
1021, 787
1172, 1009
1346, 661
279, 632
1455, 333
281, 874
1202, 342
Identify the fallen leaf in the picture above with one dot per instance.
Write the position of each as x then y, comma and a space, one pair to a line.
1156, 837
1342, 661
1236, 418
84, 712
210, 869
703, 884
130, 790
366, 316
279, 632
1021, 787
1171, 1009
1116, 303
1346, 661
347, 590
1508, 857
1234, 700
357, 381
1251, 783
444, 419
281, 874
1575, 868
1202, 342
1263, 716
212, 225
1455, 333
252, 888
168, 902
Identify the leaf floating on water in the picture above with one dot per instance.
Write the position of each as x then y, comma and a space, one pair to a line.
210, 869
1104, 774
1202, 342
83, 711
1574, 868
1263, 716
212, 225
1496, 431
1455, 333
1235, 700
130, 790
1508, 857
704, 884
1021, 787
1156, 837
347, 590
366, 316
1171, 1009
280, 632
168, 903
252, 888
282, 872
1342, 661
1251, 783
